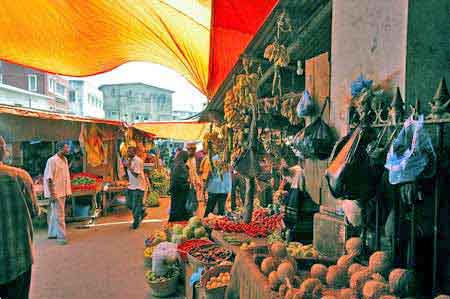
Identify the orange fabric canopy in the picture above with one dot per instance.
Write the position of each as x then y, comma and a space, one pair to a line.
80, 38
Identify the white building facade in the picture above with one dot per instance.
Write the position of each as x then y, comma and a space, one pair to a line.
85, 99
13, 96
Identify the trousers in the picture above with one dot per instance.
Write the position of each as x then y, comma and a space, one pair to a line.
135, 198
19, 288
56, 219
214, 199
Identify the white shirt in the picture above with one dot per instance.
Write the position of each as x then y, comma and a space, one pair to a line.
139, 182
57, 169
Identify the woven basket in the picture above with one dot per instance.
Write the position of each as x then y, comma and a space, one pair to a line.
216, 293
164, 289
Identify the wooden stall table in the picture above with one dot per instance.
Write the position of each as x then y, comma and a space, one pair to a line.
95, 210
247, 281
218, 237
107, 196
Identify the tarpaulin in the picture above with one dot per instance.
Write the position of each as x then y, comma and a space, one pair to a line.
177, 130
80, 38
234, 24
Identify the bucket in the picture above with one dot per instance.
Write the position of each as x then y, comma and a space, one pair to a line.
81, 211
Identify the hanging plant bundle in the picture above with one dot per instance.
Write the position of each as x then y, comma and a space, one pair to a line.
316, 141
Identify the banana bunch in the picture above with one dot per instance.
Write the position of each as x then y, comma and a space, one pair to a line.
288, 108
277, 54
229, 106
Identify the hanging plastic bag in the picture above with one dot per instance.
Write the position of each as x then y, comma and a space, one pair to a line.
359, 85
411, 155
305, 106
316, 141
348, 175
163, 258
377, 151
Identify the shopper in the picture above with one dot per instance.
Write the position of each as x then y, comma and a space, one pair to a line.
57, 188
218, 185
17, 206
136, 187
179, 187
193, 167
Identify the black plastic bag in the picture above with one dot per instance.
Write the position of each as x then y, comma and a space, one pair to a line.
348, 175
316, 141
247, 164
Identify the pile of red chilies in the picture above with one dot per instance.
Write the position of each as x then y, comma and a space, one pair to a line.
261, 226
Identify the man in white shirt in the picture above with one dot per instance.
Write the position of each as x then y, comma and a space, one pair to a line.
136, 187
57, 187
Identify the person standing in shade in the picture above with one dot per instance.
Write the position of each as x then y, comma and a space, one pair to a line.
193, 166
218, 185
136, 187
179, 188
17, 206
57, 187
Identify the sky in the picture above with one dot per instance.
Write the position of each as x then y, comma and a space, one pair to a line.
185, 94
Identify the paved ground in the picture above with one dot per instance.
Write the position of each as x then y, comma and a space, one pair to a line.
104, 261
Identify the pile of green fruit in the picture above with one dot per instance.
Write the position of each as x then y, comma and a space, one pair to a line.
152, 199
160, 181
81, 180
194, 230
153, 278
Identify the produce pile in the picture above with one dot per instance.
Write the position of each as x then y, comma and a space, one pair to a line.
151, 276
152, 199
159, 180
187, 246
155, 239
222, 280
348, 279
298, 250
262, 224
193, 230
211, 254
84, 181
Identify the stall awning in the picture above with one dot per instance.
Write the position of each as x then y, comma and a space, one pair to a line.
80, 38
4, 109
177, 130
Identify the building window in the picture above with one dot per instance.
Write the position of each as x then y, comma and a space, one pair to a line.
72, 96
32, 82
51, 84
60, 89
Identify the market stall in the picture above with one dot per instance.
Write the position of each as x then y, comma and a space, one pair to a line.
93, 159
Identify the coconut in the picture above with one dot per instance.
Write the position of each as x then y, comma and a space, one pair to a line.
402, 282
374, 289
290, 293
380, 262
345, 261
307, 287
358, 280
354, 246
274, 280
278, 249
319, 271
355, 268
378, 277
268, 265
389, 297
348, 294
285, 270
337, 277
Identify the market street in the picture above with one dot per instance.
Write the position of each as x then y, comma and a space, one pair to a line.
104, 261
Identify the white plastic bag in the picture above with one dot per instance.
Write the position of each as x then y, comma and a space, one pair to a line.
352, 211
411, 154
163, 253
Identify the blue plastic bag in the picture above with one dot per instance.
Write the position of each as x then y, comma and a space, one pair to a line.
359, 84
411, 155
305, 106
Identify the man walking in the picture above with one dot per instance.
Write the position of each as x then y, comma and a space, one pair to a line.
136, 187
57, 188
17, 206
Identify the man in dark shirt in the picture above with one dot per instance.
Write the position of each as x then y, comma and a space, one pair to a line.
17, 206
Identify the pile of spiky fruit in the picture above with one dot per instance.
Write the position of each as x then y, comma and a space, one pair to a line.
222, 280
194, 230
298, 250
